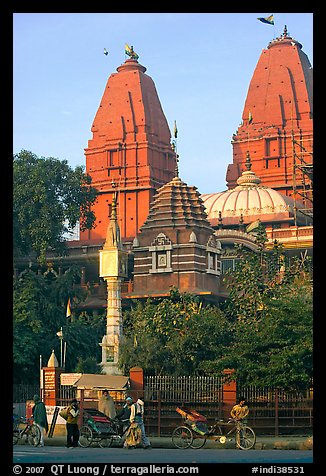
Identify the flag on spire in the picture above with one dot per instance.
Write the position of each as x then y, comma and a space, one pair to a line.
129, 50
68, 312
175, 130
269, 20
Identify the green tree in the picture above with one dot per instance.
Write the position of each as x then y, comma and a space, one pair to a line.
270, 306
83, 335
49, 198
88, 365
39, 310
176, 335
277, 349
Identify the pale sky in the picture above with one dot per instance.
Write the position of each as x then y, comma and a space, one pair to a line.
201, 64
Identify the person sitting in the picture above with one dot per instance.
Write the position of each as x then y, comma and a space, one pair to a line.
106, 405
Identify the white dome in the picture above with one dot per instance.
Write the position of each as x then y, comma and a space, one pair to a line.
249, 200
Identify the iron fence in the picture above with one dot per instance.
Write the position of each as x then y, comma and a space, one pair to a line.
163, 393
65, 394
24, 392
275, 411
271, 411
184, 388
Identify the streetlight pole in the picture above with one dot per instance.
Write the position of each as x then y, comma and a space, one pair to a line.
60, 335
41, 379
64, 354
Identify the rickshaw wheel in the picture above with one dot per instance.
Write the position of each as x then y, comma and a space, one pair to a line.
85, 436
105, 442
198, 441
182, 437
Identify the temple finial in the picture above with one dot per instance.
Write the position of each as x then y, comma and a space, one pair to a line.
174, 147
113, 215
129, 50
248, 161
220, 220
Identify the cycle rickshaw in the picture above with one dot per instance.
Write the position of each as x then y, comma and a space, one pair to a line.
195, 431
100, 429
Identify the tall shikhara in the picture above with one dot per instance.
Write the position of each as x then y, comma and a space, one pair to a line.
130, 151
279, 135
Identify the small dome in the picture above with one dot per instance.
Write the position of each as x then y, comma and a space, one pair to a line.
248, 201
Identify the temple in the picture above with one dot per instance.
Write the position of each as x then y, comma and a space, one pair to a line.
167, 232
277, 123
176, 246
130, 150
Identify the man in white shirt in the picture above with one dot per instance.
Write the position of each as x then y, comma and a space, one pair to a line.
137, 415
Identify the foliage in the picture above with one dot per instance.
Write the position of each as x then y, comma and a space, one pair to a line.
48, 199
258, 277
39, 309
277, 349
175, 335
271, 309
88, 365
83, 335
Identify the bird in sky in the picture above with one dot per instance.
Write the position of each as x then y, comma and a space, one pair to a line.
106, 51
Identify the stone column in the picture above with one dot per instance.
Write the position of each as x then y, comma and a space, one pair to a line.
113, 267
111, 340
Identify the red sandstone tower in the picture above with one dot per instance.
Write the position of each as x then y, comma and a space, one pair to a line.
130, 150
277, 124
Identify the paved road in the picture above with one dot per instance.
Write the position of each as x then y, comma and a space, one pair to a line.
57, 455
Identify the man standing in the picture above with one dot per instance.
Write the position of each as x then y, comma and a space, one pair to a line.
72, 424
106, 405
240, 411
137, 416
40, 418
124, 416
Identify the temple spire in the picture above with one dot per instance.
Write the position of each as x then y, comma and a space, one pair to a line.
176, 174
127, 117
174, 147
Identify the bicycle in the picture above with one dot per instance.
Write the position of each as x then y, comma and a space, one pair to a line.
25, 429
195, 432
244, 435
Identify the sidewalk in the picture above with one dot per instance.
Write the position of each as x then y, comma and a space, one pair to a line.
262, 442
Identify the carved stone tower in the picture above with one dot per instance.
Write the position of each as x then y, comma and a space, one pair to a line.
130, 148
277, 123
177, 246
113, 267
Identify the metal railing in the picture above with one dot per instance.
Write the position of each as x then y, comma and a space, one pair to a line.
184, 388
